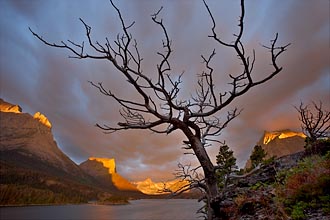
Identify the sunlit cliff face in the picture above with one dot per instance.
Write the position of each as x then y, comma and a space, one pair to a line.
118, 181
121, 183
7, 107
269, 136
42, 119
107, 163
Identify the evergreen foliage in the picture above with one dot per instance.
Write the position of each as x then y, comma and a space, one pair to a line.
257, 156
25, 187
226, 164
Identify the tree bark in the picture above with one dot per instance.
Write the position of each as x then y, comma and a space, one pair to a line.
212, 191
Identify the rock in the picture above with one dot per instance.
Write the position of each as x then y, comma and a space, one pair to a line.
318, 215
251, 197
8, 107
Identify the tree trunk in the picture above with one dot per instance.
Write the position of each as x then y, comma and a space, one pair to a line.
213, 199
212, 193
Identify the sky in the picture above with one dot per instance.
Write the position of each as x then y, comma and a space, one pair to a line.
41, 78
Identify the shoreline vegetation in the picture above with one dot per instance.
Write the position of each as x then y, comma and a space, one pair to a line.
67, 204
113, 200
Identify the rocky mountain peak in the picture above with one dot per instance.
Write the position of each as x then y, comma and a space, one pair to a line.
8, 107
42, 119
280, 143
108, 163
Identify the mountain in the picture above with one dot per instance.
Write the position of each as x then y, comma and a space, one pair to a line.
280, 143
33, 170
27, 142
151, 188
103, 170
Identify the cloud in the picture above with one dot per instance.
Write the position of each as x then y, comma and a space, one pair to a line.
43, 79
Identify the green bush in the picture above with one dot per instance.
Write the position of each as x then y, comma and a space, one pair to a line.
298, 211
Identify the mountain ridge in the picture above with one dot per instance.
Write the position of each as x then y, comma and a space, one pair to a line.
149, 187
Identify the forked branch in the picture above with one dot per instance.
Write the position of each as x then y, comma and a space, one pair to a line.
242, 82
315, 120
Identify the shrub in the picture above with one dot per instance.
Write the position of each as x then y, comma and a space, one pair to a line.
257, 156
306, 186
298, 211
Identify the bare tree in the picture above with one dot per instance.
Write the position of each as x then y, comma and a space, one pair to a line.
160, 110
315, 120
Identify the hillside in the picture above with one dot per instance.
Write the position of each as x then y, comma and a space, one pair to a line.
291, 187
294, 186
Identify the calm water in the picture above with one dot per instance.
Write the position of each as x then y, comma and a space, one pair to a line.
150, 209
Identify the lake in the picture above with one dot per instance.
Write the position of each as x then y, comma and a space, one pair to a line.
145, 209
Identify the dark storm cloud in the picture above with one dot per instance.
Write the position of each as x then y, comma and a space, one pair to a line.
43, 79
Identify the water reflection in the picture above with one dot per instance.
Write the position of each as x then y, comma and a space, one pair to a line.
175, 209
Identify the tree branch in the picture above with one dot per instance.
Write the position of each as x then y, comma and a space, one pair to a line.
314, 122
